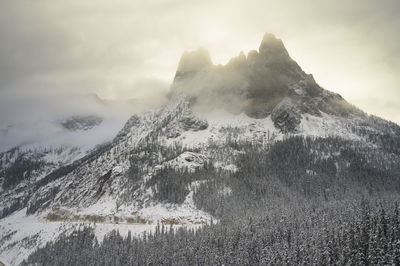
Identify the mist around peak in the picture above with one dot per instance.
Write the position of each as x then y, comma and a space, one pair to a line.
192, 62
83, 119
256, 84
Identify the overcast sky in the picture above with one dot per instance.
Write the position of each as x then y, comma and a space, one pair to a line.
130, 49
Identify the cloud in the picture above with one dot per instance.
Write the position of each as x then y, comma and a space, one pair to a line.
130, 49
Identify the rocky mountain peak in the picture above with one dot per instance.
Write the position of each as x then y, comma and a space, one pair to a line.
239, 60
192, 62
272, 47
266, 82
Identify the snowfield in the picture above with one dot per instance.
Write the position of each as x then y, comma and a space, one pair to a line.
96, 192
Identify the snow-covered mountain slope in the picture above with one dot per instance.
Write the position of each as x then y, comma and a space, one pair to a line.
158, 162
25, 165
22, 167
114, 185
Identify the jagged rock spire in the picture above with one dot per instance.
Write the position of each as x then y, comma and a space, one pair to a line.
272, 47
192, 62
266, 82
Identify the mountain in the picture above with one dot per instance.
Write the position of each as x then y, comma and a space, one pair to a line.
230, 140
265, 83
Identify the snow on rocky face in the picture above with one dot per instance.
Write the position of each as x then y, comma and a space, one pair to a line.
150, 172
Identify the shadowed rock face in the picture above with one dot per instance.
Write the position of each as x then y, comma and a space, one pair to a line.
187, 122
81, 122
271, 72
266, 82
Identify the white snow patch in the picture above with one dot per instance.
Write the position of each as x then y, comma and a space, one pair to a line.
117, 170
327, 126
227, 167
185, 214
188, 160
19, 228
225, 191
222, 123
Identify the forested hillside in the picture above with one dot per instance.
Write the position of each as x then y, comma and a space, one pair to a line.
350, 232
299, 201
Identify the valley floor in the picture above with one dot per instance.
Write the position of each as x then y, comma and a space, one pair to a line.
20, 235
